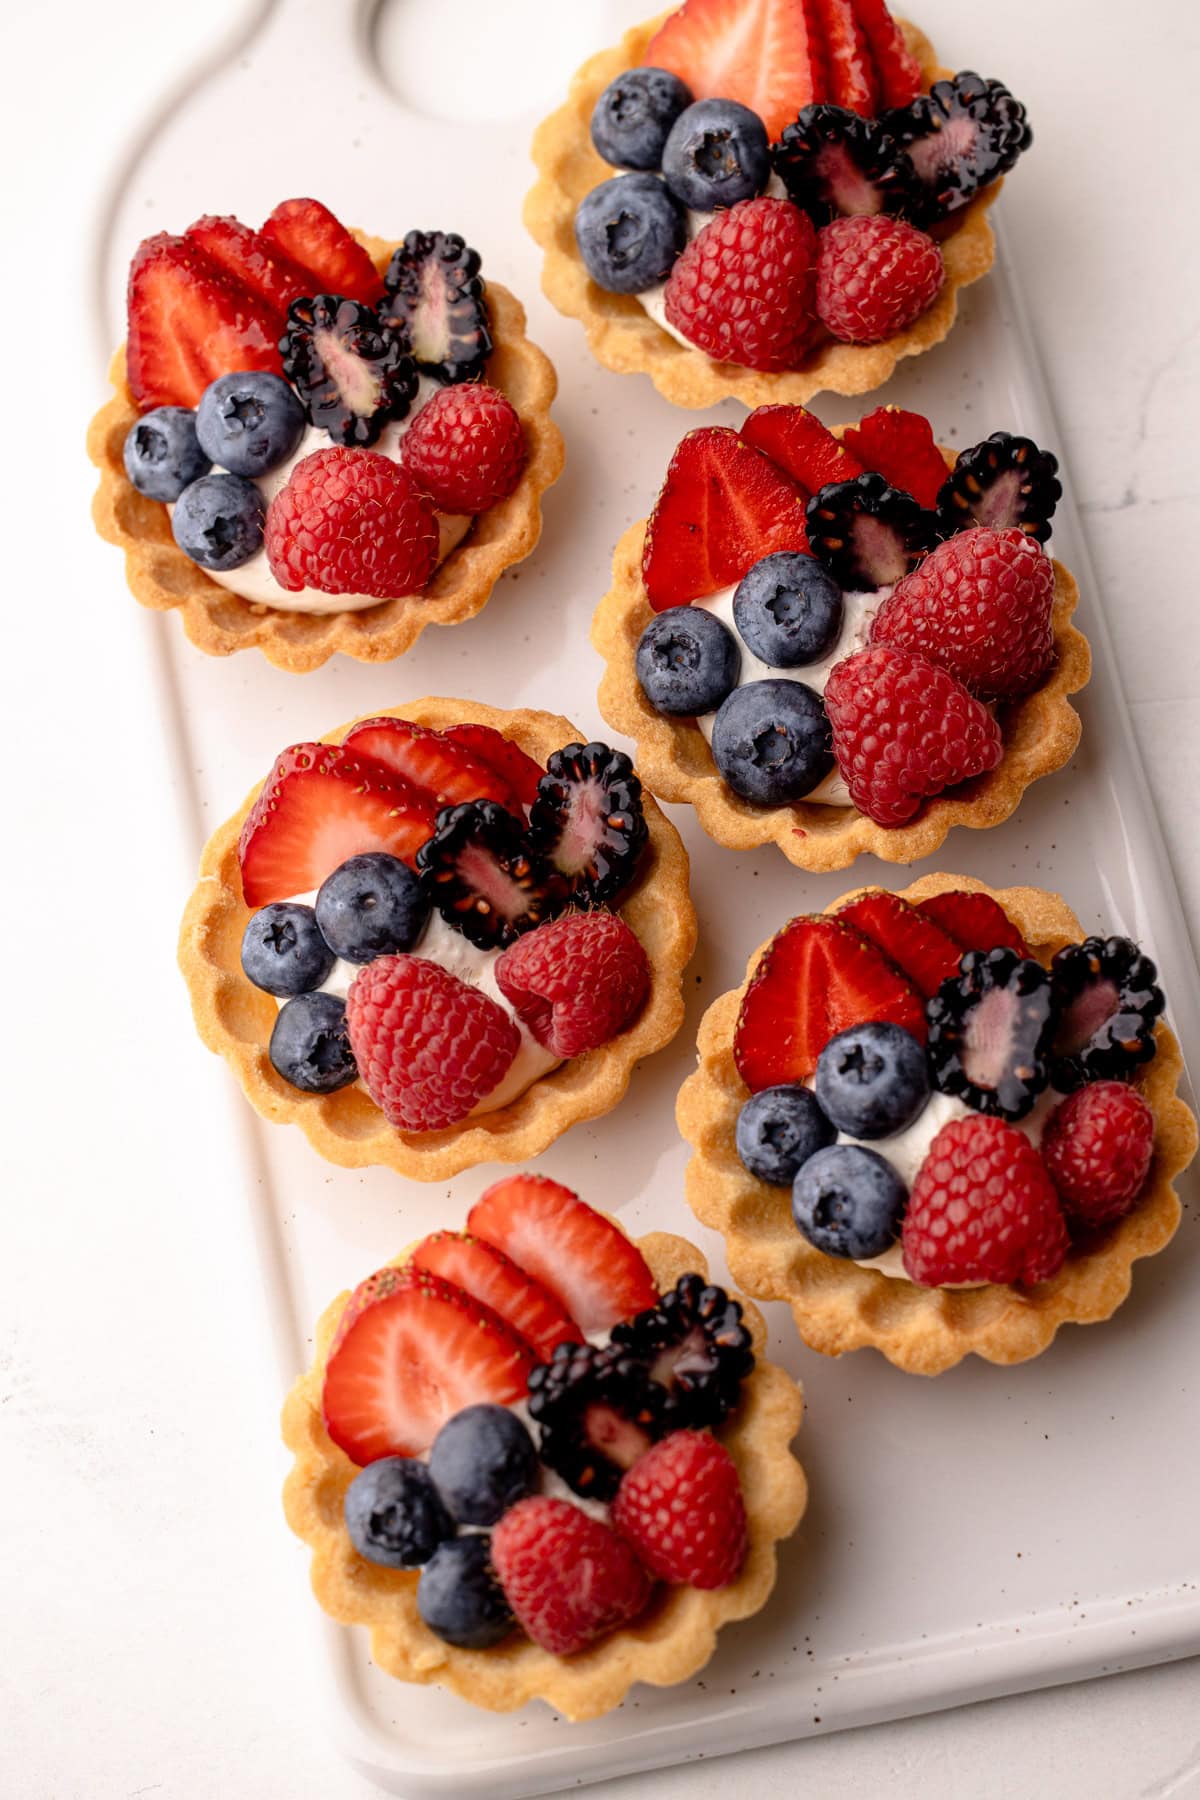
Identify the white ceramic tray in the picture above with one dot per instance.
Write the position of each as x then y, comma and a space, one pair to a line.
990, 1531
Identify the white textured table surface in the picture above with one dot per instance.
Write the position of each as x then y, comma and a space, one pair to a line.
158, 1639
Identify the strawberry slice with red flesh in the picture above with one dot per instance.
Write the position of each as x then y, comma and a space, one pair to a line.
764, 53
487, 745
188, 322
246, 256
916, 944
816, 977
974, 921
897, 69
320, 804
722, 507
443, 772
493, 1279
410, 1351
852, 81
309, 235
588, 1264
801, 446
900, 446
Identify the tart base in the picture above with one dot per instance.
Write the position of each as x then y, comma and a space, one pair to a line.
669, 1643
838, 1306
235, 1019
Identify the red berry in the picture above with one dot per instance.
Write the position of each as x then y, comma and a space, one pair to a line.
742, 290
504, 757
311, 236
575, 981
875, 275
1097, 1147
899, 72
916, 944
568, 1577
901, 447
493, 1279
979, 605
428, 1046
466, 448
248, 257
982, 1208
852, 79
904, 731
351, 522
188, 322
801, 445
766, 54
442, 770
681, 1508
974, 921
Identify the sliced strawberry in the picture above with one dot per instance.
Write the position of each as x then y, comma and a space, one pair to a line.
852, 81
410, 1351
443, 772
319, 805
246, 256
974, 921
309, 235
817, 977
915, 943
722, 507
796, 440
487, 745
897, 69
189, 323
597, 1273
492, 1278
765, 53
900, 446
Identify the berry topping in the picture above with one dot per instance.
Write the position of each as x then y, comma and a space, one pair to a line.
872, 1080
249, 423
874, 277
852, 82
481, 872
218, 521
188, 323
336, 263
904, 731
162, 453
482, 1462
989, 1030
982, 1209
914, 942
1004, 481
251, 259
466, 448
435, 294
959, 137
687, 662
716, 155
1106, 1005
743, 289
540, 1549
778, 1129
585, 1260
901, 447
788, 610
394, 1515
974, 921
283, 951
833, 162
681, 1508
867, 534
442, 766
371, 906
771, 742
629, 230
633, 116
815, 978
576, 981
310, 1047
459, 1596
352, 373
506, 759
695, 1345
588, 821
1097, 1148
351, 522
801, 445
597, 1411
489, 1276
759, 52
897, 69
848, 1201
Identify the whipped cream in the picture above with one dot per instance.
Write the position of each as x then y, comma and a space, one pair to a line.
653, 299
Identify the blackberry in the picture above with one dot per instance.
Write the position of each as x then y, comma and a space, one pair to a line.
694, 1345
1106, 1004
483, 875
835, 163
989, 1032
597, 1410
868, 534
587, 820
435, 296
958, 137
352, 371
1004, 481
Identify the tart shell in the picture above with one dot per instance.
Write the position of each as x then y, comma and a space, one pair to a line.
674, 1638
838, 1306
235, 1019
625, 338
220, 621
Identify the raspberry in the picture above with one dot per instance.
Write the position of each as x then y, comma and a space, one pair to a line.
903, 730
568, 1577
742, 291
982, 1209
576, 981
428, 1047
351, 522
875, 275
979, 605
466, 448
1097, 1148
680, 1506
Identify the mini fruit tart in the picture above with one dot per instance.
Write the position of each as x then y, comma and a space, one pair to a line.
487, 1440
940, 1122
769, 198
842, 641
320, 441
440, 936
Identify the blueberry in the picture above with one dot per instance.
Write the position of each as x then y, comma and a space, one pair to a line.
848, 1201
373, 905
872, 1080
218, 521
629, 231
687, 662
715, 155
788, 609
459, 1597
633, 115
283, 951
162, 454
778, 1129
771, 741
249, 422
394, 1515
482, 1462
309, 1046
